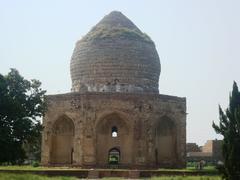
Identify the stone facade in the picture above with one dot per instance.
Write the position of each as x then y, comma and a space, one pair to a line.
151, 129
115, 115
127, 74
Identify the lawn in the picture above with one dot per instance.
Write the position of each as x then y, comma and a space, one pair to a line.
27, 176
187, 178
35, 168
9, 176
207, 168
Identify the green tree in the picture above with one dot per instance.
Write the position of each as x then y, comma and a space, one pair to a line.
21, 106
229, 128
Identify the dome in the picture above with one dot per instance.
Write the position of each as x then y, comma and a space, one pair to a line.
115, 56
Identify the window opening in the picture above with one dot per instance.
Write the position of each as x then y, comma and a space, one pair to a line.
114, 131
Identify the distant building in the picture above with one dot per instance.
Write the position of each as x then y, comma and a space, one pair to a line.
214, 147
210, 152
192, 147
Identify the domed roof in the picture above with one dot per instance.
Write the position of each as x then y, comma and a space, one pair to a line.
115, 56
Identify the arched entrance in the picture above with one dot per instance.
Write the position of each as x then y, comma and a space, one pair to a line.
113, 131
165, 151
62, 141
114, 156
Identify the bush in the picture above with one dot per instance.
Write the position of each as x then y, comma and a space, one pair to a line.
35, 164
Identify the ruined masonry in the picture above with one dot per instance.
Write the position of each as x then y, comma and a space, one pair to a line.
115, 116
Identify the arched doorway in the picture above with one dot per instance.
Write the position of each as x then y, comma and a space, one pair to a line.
113, 131
165, 151
114, 156
62, 141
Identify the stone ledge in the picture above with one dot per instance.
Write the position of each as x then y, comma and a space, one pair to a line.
149, 96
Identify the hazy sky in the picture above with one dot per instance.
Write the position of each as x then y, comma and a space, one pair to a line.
198, 42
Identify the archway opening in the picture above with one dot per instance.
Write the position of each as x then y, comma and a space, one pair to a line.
112, 130
62, 141
114, 156
165, 151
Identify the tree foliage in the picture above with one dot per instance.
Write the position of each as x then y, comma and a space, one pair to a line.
21, 106
229, 128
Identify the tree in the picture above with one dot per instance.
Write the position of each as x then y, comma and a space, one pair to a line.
229, 128
21, 106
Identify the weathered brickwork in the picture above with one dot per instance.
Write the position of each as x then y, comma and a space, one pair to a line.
211, 151
93, 116
119, 62
114, 115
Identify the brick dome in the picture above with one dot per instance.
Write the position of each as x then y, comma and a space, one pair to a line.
115, 56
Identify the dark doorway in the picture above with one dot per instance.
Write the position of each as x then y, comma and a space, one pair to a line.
113, 156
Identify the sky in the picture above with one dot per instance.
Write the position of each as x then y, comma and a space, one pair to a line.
198, 44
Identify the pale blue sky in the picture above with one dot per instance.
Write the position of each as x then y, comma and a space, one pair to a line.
198, 43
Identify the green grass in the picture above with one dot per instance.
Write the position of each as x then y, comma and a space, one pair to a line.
10, 176
187, 178
189, 169
176, 178
206, 168
102, 32
35, 168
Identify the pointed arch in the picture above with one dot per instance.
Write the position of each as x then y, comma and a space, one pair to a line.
63, 125
165, 141
112, 120
62, 141
113, 130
